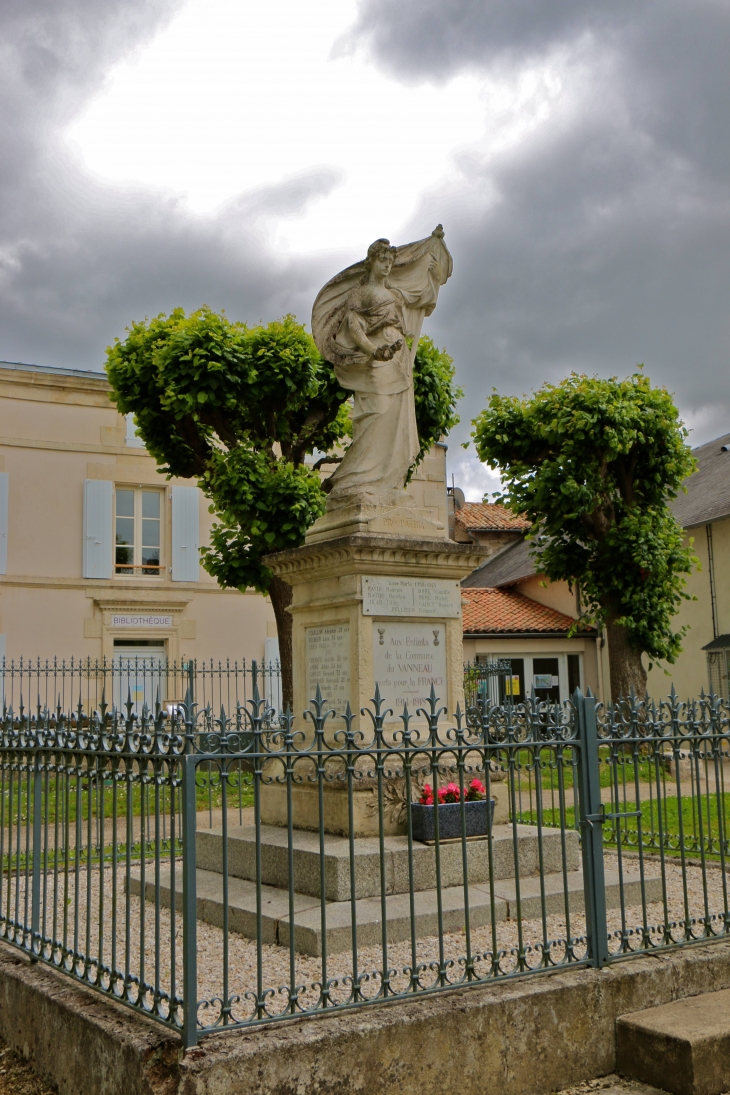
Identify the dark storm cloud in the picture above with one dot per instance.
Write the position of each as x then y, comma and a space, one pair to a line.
604, 240
80, 260
599, 241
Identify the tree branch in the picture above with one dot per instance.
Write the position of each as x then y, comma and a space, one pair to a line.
326, 460
214, 418
200, 448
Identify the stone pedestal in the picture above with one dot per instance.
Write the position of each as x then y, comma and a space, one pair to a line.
369, 607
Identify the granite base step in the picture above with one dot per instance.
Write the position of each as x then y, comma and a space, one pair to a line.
307, 920
509, 848
682, 1047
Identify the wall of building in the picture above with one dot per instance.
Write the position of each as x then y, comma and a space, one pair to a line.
689, 673
58, 429
555, 595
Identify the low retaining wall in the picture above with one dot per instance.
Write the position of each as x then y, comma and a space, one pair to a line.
525, 1037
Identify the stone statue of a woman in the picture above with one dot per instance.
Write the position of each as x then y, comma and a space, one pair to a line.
362, 322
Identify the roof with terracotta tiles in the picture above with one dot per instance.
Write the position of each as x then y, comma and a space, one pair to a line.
502, 611
489, 515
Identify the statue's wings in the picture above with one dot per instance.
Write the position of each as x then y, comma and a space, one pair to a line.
419, 271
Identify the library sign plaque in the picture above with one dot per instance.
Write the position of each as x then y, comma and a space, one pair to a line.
141, 619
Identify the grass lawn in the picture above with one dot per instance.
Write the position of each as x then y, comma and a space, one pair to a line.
698, 823
66, 798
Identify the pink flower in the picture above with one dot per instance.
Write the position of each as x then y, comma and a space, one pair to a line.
426, 798
476, 791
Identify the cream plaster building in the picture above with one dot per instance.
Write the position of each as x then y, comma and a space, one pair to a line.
511, 612
503, 620
704, 513
99, 554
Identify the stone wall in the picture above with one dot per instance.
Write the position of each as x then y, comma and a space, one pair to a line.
527, 1037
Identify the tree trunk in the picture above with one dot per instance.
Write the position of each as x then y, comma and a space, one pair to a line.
627, 669
281, 597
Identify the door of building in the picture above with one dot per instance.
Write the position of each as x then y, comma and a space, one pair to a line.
140, 673
546, 679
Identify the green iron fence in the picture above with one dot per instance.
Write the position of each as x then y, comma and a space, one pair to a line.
135, 858
64, 684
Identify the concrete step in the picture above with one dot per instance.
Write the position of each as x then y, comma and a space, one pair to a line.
508, 846
338, 914
682, 1047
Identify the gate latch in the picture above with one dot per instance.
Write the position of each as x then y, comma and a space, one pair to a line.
603, 816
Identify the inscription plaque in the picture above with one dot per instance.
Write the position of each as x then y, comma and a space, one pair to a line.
407, 659
328, 663
436, 597
146, 619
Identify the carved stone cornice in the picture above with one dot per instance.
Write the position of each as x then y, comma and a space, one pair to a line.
136, 601
376, 554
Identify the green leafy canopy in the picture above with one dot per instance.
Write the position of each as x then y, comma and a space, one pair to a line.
435, 395
593, 464
239, 408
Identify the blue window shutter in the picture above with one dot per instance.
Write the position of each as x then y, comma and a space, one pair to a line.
185, 534
98, 529
3, 522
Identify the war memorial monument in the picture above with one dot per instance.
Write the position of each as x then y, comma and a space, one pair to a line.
376, 586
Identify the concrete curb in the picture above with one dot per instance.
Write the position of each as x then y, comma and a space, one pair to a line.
78, 1040
517, 1038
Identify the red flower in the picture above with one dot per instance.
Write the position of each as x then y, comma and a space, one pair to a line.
426, 798
449, 793
476, 791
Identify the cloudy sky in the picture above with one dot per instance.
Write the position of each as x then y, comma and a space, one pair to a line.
239, 152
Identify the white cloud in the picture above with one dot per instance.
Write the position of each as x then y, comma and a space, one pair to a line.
474, 478
706, 423
238, 95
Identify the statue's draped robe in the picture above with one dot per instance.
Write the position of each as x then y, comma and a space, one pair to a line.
385, 440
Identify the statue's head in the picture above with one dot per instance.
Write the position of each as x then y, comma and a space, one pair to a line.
380, 254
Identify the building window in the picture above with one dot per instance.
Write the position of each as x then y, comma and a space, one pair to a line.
138, 532
553, 679
500, 685
134, 441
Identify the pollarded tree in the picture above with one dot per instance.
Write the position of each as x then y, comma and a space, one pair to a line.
593, 464
240, 409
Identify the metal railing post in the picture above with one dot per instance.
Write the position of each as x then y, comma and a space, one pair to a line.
591, 820
35, 908
190, 942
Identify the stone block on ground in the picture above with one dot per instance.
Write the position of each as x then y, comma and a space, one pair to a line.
305, 854
682, 1047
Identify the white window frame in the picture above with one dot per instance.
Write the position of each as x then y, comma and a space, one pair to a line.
138, 567
528, 661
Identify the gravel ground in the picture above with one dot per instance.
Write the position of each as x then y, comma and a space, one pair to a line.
17, 1077
240, 958
611, 1085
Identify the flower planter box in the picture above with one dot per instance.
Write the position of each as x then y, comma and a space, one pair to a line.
478, 817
